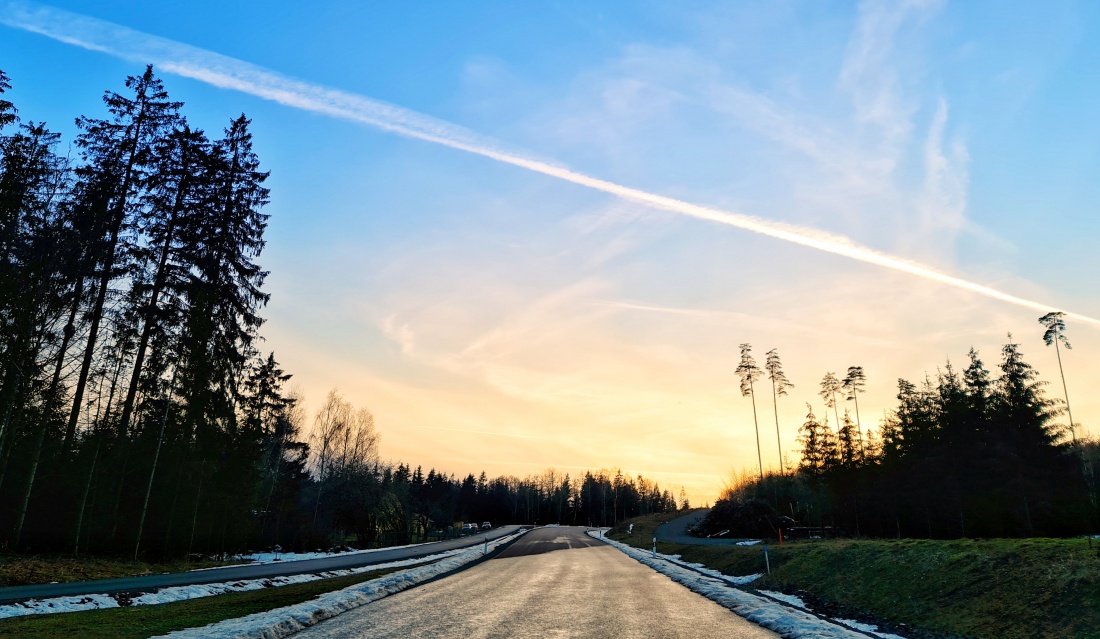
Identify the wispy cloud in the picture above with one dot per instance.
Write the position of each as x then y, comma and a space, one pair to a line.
471, 431
230, 73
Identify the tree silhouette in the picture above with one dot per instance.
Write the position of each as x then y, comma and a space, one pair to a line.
854, 382
1056, 332
830, 385
780, 384
818, 447
749, 372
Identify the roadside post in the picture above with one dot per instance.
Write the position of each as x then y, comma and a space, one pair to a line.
654, 547
486, 552
767, 562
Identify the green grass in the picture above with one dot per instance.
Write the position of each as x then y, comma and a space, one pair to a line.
995, 588
146, 621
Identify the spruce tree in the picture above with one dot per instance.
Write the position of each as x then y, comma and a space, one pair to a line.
118, 153
171, 196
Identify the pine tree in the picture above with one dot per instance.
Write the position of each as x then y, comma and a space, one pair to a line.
830, 386
1055, 333
854, 383
749, 373
780, 384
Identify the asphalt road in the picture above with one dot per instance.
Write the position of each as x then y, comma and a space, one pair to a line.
552, 582
675, 532
149, 583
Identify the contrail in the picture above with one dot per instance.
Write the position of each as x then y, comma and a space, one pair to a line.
230, 73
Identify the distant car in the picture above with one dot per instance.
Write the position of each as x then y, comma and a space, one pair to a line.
486, 525
468, 528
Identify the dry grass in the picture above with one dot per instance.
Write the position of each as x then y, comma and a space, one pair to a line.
19, 570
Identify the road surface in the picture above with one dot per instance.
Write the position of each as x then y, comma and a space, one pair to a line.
150, 583
553, 582
675, 532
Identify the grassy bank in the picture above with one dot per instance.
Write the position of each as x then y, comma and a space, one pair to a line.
997, 588
138, 622
20, 570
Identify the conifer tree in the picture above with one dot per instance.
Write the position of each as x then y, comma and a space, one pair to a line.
1055, 333
749, 373
854, 383
171, 198
830, 386
780, 384
8, 113
224, 290
814, 454
118, 152
848, 443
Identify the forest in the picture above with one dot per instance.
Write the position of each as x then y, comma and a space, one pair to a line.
970, 453
138, 416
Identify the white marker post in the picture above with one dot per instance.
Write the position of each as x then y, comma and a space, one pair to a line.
486, 545
766, 561
654, 547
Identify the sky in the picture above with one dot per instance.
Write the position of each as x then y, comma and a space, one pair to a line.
534, 235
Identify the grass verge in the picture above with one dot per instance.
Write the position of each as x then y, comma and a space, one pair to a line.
21, 570
138, 622
993, 588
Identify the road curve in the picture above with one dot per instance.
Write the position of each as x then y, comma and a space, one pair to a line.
552, 582
148, 583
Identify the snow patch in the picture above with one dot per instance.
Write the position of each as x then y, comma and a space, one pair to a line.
867, 627
789, 622
283, 622
750, 542
789, 599
269, 557
180, 593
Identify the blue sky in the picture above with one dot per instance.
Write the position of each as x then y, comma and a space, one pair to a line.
493, 317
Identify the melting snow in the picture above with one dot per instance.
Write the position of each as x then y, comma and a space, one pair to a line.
180, 593
791, 599
283, 622
786, 620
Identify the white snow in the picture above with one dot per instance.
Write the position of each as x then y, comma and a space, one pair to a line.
866, 627
283, 622
180, 593
737, 581
269, 557
785, 598
750, 542
788, 621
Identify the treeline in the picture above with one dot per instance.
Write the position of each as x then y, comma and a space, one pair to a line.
970, 453
350, 494
133, 402
137, 415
